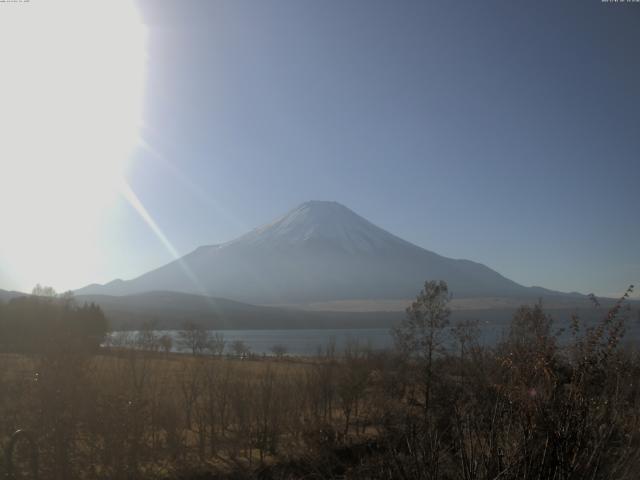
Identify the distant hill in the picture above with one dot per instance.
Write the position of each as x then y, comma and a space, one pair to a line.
5, 295
169, 310
318, 252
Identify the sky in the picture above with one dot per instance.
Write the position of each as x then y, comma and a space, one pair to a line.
503, 132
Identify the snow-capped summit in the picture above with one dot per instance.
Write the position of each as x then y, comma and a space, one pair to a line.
319, 251
322, 223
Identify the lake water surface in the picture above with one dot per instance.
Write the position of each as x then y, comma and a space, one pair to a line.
306, 342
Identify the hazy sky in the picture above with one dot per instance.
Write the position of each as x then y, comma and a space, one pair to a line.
499, 131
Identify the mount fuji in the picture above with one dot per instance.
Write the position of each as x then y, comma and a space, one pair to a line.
318, 252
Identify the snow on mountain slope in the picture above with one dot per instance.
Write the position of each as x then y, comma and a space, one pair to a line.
327, 222
320, 251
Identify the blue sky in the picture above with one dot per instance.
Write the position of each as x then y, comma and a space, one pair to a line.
503, 132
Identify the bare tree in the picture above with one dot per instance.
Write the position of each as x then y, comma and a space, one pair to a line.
466, 335
44, 291
420, 334
216, 344
194, 337
146, 338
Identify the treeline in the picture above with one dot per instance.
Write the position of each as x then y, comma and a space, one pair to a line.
41, 323
193, 337
527, 408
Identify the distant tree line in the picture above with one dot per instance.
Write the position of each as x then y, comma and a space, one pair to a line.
193, 338
46, 321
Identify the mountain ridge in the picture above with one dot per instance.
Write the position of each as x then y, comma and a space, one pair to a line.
318, 251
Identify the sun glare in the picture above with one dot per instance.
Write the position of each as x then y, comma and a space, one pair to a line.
73, 76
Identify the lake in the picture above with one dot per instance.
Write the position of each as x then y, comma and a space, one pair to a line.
306, 342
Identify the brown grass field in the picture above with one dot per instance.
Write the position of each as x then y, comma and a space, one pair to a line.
526, 408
